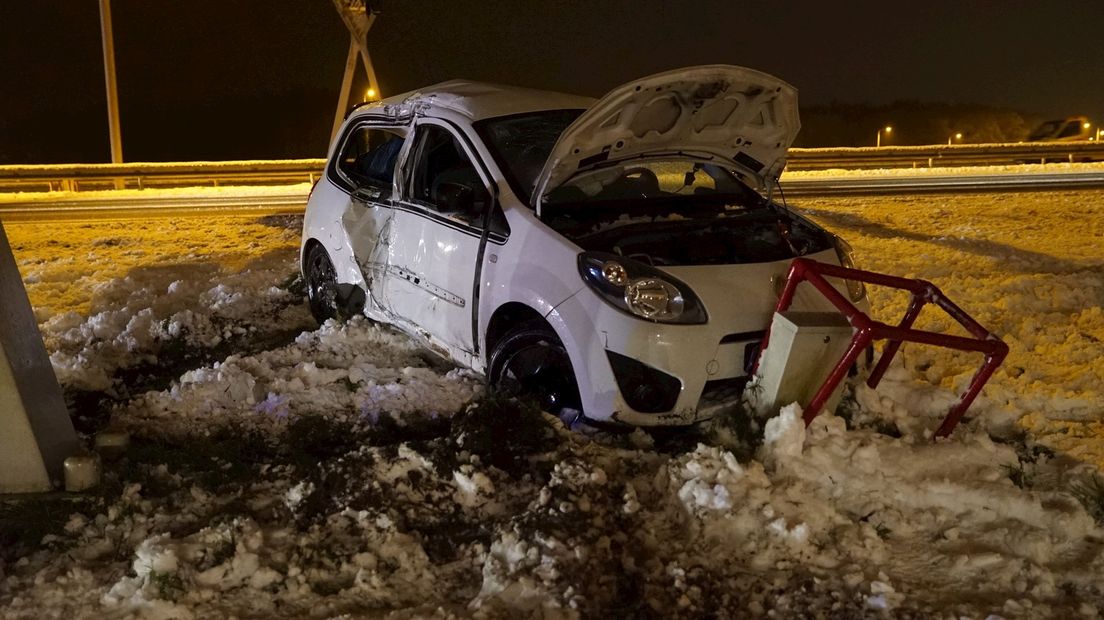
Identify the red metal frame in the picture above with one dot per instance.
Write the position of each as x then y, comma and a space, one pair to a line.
869, 330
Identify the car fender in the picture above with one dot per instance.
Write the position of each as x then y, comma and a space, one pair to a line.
323, 224
573, 322
535, 267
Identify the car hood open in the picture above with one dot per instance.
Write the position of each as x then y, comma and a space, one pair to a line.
734, 116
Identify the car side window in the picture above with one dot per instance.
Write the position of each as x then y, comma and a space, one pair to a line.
1071, 129
368, 158
444, 179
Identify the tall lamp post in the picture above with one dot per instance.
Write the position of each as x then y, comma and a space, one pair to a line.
888, 130
109, 78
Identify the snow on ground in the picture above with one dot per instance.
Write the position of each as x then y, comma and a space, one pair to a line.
1030, 267
280, 469
1018, 169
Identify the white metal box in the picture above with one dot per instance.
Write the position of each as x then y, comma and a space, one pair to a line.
801, 352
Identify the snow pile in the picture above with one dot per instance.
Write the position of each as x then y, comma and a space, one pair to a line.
147, 314
342, 472
843, 522
355, 371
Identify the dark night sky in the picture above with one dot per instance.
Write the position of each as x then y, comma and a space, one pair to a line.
229, 78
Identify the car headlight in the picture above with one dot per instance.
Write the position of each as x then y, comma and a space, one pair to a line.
855, 289
640, 290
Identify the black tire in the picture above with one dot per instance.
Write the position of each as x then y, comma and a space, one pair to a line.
531, 362
321, 281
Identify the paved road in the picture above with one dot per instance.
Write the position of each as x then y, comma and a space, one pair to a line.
873, 185
129, 206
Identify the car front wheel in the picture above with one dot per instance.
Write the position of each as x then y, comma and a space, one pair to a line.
531, 362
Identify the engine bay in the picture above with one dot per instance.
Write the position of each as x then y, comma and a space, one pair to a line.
686, 231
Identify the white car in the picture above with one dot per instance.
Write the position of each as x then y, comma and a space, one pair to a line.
616, 259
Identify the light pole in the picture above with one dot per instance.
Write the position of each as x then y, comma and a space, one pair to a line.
109, 78
888, 130
955, 138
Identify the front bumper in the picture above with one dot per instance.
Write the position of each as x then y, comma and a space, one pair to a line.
709, 361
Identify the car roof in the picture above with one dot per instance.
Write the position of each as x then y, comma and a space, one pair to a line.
480, 100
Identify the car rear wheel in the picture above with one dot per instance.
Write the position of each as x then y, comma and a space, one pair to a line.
321, 280
531, 362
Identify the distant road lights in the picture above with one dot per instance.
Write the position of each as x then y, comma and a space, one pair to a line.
957, 137
887, 130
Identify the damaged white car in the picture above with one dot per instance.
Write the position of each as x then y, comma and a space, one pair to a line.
617, 259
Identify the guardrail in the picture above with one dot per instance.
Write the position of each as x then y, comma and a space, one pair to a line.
935, 183
90, 177
944, 155
85, 177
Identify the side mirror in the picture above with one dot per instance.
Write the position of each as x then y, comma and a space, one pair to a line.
455, 198
368, 193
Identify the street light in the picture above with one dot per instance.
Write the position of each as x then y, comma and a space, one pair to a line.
370, 95
888, 130
955, 138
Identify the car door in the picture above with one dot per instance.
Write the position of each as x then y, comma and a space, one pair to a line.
365, 170
437, 238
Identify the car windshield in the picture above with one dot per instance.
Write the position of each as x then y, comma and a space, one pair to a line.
521, 143
648, 192
652, 180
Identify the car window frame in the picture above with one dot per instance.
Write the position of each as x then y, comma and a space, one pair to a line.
338, 177
523, 194
405, 179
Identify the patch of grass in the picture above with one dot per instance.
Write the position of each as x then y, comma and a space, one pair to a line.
503, 432
311, 439
739, 431
219, 554
293, 222
295, 284
1021, 474
1090, 492
228, 456
887, 428
25, 521
443, 541
848, 406
168, 585
1027, 449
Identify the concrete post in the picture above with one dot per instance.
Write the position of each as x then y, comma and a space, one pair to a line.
36, 434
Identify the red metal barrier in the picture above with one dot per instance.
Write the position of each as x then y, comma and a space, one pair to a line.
869, 330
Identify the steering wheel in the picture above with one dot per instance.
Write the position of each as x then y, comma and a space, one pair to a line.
646, 181
647, 175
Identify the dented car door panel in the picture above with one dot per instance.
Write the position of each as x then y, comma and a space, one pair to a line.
431, 265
